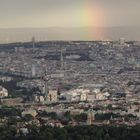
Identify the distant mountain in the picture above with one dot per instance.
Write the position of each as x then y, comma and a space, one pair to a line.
75, 33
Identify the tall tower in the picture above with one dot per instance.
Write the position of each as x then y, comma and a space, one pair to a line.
89, 118
45, 79
33, 70
62, 60
46, 87
33, 42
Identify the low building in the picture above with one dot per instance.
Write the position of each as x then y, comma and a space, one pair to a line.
11, 101
76, 111
31, 112
3, 92
91, 97
39, 98
83, 97
52, 96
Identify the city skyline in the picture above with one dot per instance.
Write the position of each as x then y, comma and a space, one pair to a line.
70, 69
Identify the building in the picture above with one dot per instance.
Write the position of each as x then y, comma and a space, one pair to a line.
122, 41
83, 97
39, 98
102, 96
3, 92
52, 96
11, 101
90, 117
33, 42
76, 111
91, 97
31, 112
77, 95
33, 70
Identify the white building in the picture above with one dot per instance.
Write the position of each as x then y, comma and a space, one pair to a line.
3, 92
31, 112
100, 96
83, 97
91, 97
76, 95
39, 98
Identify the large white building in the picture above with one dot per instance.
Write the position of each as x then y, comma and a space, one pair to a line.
102, 96
51, 96
31, 112
77, 95
3, 92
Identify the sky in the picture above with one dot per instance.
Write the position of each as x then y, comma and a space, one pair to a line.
69, 13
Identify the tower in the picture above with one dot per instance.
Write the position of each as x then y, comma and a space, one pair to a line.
62, 60
46, 90
33, 70
33, 42
89, 118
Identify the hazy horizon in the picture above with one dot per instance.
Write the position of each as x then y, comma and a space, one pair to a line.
73, 33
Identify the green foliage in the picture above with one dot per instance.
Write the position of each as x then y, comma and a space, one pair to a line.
109, 106
80, 117
7, 133
9, 111
73, 133
27, 117
67, 115
52, 115
15, 91
129, 117
105, 116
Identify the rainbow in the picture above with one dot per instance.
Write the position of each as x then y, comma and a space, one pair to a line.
90, 15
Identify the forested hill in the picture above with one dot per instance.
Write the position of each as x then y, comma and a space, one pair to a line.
72, 133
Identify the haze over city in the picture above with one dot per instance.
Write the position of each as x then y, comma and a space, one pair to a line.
69, 19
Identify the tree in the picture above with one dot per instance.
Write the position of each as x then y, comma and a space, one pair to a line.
28, 117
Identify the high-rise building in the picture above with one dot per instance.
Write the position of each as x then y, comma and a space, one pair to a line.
33, 70
45, 78
62, 60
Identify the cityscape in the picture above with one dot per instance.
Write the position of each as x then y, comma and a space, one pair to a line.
64, 89
71, 83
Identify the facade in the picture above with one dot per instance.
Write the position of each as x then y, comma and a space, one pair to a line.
91, 97
3, 92
52, 96
76, 111
77, 95
39, 98
11, 101
90, 117
29, 112
83, 97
